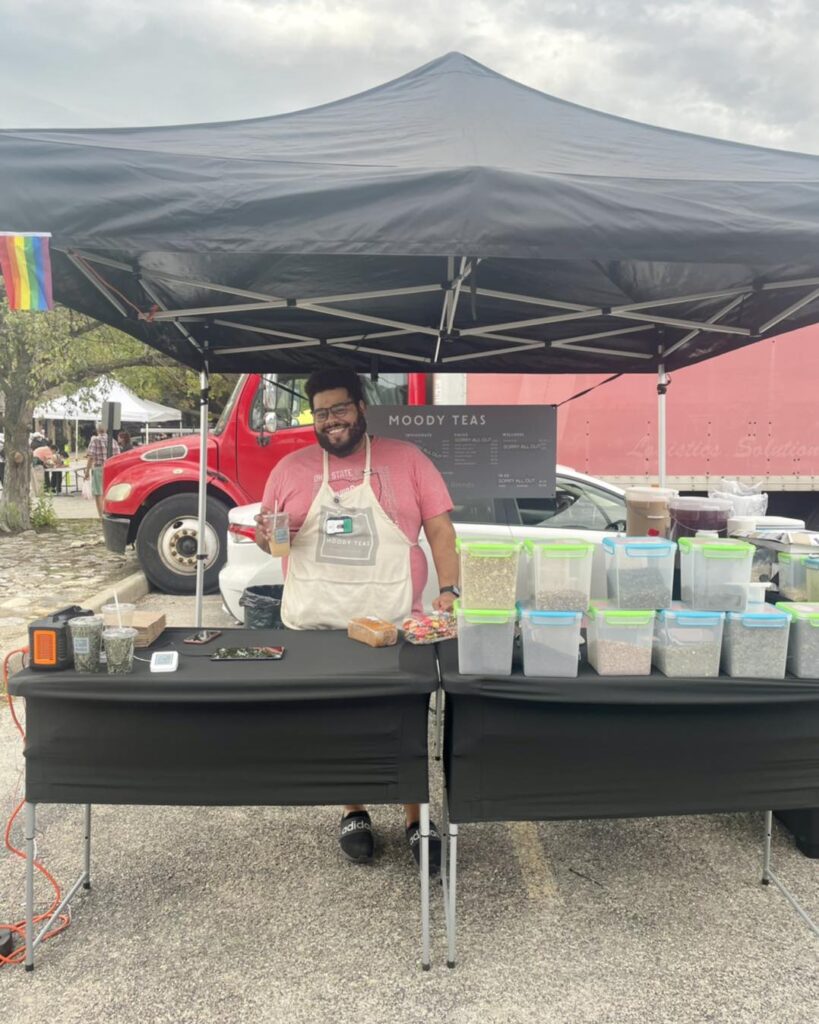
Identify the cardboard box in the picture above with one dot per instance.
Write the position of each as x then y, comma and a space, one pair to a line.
149, 625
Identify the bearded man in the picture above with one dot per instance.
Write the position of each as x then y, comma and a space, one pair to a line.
357, 505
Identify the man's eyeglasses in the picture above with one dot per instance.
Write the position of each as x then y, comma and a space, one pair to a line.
339, 409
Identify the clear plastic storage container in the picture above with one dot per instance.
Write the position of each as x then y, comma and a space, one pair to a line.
561, 571
715, 574
755, 644
688, 644
793, 577
688, 515
803, 641
486, 638
551, 641
619, 641
812, 578
639, 571
489, 573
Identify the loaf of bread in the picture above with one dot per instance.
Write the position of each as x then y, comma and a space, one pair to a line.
372, 631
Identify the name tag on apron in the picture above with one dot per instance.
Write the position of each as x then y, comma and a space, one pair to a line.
334, 525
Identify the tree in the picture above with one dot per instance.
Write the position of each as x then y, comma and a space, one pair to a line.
49, 352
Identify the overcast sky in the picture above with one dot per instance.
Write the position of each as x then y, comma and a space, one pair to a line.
745, 70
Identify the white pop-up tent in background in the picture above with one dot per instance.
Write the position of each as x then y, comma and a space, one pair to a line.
86, 404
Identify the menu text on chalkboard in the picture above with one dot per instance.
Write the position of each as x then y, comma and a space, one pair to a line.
487, 451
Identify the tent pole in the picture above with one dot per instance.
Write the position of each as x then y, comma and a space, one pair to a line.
662, 387
201, 547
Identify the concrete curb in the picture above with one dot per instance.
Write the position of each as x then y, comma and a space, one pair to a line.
130, 589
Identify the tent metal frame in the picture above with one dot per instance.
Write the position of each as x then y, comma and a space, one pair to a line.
638, 315
644, 314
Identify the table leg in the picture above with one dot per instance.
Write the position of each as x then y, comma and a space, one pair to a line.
445, 862
766, 849
768, 876
29, 823
424, 828
87, 858
452, 881
439, 722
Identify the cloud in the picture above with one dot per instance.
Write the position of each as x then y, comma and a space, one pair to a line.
740, 70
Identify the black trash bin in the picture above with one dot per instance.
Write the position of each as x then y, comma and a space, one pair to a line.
262, 606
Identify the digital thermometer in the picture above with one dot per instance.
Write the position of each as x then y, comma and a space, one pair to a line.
165, 661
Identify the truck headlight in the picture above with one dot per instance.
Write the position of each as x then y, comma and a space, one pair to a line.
119, 492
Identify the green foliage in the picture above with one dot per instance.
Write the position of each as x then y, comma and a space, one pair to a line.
177, 387
42, 515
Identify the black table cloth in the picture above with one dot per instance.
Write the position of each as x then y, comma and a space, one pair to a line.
333, 722
532, 749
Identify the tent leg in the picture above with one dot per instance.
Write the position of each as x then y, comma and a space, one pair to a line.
201, 551
662, 387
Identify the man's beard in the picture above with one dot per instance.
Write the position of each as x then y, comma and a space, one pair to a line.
356, 431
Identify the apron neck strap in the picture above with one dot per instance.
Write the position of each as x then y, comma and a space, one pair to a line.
325, 471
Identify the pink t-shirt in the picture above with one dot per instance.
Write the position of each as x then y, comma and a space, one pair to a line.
406, 484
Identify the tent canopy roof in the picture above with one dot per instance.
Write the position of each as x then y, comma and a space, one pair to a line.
86, 403
449, 220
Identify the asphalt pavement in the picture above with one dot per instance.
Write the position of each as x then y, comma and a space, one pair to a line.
220, 915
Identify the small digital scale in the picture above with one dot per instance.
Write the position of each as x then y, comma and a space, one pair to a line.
165, 661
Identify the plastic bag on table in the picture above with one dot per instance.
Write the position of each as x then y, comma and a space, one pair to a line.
429, 629
746, 499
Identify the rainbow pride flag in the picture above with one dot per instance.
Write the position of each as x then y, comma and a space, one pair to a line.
25, 264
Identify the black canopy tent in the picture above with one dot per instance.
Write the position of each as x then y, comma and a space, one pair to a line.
451, 220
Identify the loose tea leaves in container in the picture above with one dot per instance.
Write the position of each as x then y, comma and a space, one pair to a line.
615, 658
727, 597
642, 588
86, 639
757, 653
563, 600
809, 652
119, 650
690, 660
488, 582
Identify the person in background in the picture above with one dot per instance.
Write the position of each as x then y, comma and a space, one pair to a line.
97, 454
385, 491
50, 459
124, 441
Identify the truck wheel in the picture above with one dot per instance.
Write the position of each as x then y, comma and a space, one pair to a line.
166, 544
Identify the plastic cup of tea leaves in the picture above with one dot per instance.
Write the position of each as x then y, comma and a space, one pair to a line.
86, 640
119, 649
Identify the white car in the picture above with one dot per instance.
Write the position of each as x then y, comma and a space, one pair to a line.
583, 507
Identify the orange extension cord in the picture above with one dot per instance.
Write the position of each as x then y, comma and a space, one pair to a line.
18, 955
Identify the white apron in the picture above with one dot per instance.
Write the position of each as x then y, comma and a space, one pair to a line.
348, 559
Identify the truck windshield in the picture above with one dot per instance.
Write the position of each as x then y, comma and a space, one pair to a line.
293, 409
227, 412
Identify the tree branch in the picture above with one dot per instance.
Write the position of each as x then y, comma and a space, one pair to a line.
87, 375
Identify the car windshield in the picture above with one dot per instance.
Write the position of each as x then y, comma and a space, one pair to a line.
577, 505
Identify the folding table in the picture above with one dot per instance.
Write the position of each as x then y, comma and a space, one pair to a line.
333, 722
518, 748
